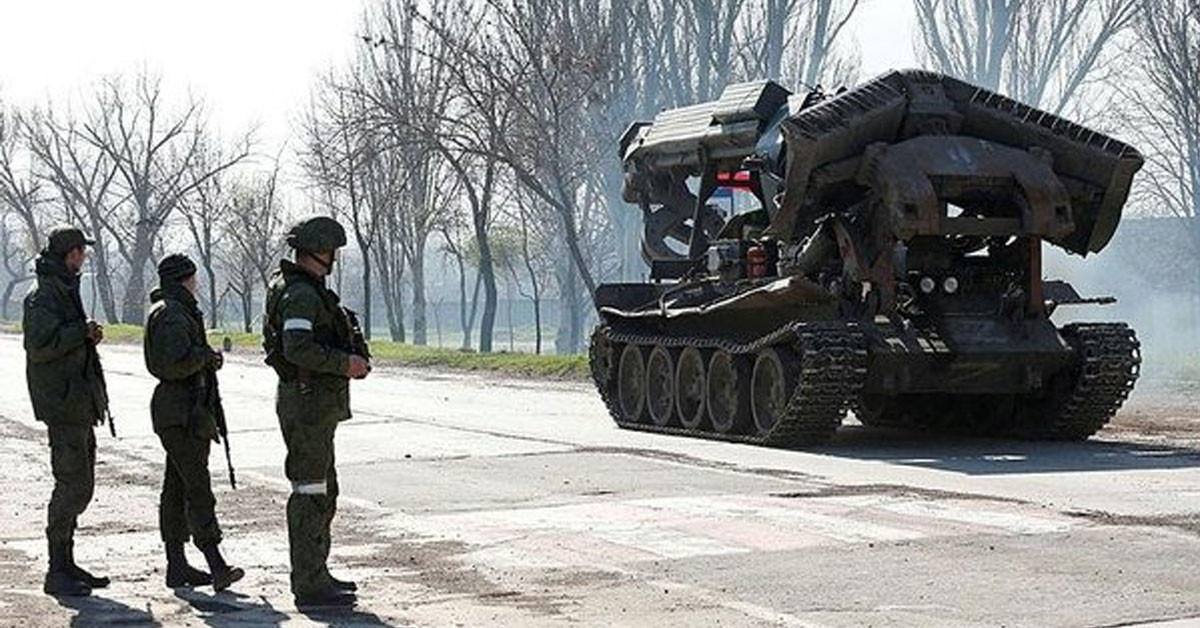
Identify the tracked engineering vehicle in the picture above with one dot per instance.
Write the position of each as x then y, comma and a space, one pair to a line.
889, 261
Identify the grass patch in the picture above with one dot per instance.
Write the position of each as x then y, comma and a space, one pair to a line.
527, 364
388, 353
239, 340
120, 333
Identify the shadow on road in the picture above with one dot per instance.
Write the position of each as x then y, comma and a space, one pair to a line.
96, 610
231, 610
347, 618
983, 456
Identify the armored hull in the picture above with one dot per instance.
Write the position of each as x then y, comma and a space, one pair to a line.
891, 266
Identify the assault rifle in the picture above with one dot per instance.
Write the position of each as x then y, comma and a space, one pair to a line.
99, 387
214, 396
358, 342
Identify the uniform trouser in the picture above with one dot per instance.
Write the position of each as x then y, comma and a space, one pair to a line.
73, 463
187, 506
308, 435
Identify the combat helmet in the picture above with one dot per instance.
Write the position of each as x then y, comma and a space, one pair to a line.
316, 234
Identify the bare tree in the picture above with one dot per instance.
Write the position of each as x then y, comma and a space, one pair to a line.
241, 279
154, 152
1163, 100
797, 41
383, 186
254, 224
83, 176
465, 128
408, 88
20, 191
20, 198
533, 259
14, 253
457, 246
205, 212
337, 151
1043, 52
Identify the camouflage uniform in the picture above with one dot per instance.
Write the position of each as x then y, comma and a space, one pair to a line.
67, 393
184, 411
308, 341
177, 353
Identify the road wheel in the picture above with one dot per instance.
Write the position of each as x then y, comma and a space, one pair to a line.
631, 384
771, 387
689, 388
660, 386
602, 358
727, 393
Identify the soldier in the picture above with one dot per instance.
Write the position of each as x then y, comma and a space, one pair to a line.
67, 390
184, 411
310, 342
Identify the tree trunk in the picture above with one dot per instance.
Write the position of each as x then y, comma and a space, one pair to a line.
462, 304
487, 266
389, 306
537, 323
776, 20
704, 33
133, 310
420, 322
390, 285
578, 314
533, 282
487, 272
133, 306
474, 310
817, 47
103, 275
213, 312
567, 339
366, 279
247, 307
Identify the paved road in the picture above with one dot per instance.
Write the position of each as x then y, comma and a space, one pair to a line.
475, 502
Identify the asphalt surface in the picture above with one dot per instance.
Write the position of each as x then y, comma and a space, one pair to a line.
476, 501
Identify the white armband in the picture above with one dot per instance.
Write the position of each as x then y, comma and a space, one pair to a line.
297, 324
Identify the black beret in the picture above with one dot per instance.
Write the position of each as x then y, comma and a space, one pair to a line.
176, 267
63, 240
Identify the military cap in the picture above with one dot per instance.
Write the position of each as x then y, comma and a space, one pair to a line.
176, 267
64, 239
316, 234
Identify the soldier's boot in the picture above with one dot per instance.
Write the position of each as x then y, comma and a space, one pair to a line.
328, 597
343, 585
180, 573
222, 574
80, 574
59, 581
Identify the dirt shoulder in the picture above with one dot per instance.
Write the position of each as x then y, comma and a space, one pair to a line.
1163, 412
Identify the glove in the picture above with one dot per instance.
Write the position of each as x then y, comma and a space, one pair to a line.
216, 361
95, 332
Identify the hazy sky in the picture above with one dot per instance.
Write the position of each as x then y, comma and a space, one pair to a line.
251, 60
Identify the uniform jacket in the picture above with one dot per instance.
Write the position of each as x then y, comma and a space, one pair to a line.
314, 338
177, 353
63, 385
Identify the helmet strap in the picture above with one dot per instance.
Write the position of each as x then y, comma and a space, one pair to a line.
328, 266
